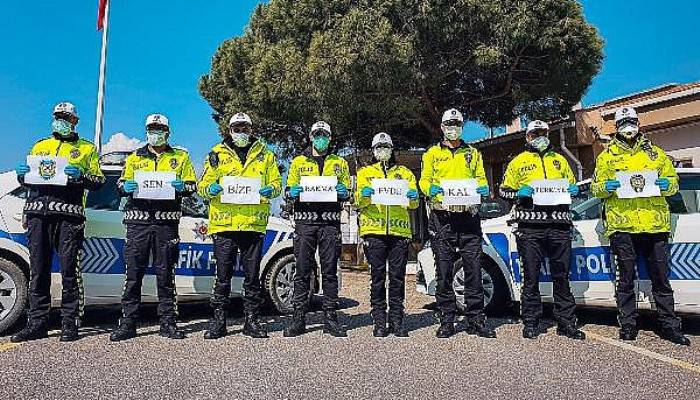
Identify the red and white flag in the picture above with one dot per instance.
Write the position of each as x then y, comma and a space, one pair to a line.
101, 14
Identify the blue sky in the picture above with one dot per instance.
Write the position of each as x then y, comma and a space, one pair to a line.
159, 49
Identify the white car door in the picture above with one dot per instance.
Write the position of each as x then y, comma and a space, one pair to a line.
592, 274
684, 248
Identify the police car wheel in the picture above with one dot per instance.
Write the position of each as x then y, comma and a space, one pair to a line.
495, 295
13, 293
279, 283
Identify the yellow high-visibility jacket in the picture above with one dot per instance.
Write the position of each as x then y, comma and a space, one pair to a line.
142, 211
66, 200
640, 215
440, 162
223, 161
529, 166
379, 219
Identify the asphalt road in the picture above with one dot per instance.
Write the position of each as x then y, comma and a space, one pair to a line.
358, 367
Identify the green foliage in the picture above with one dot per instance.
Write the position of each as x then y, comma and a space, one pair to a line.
395, 65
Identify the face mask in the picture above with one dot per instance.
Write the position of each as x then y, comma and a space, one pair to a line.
62, 127
240, 139
452, 132
321, 142
628, 130
540, 143
382, 154
156, 138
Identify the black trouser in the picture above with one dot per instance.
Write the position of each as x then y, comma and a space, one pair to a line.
380, 249
162, 242
47, 234
653, 247
307, 238
535, 243
453, 238
246, 246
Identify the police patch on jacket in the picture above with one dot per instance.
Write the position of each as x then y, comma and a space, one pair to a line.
75, 153
173, 163
469, 158
337, 169
557, 164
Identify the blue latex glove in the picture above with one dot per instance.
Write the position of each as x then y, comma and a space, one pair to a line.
367, 192
483, 191
435, 190
22, 169
267, 191
525, 191
214, 189
612, 185
342, 190
130, 186
295, 191
178, 185
663, 184
73, 171
412, 194
573, 190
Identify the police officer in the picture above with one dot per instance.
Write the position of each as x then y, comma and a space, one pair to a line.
455, 230
638, 226
152, 228
543, 231
238, 229
317, 227
55, 221
386, 232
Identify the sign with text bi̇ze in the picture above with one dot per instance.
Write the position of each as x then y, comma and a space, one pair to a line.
241, 190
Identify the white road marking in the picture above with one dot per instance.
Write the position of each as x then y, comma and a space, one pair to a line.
645, 352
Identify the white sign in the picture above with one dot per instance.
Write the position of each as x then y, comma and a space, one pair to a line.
460, 192
154, 185
241, 190
390, 192
319, 189
550, 192
637, 184
46, 170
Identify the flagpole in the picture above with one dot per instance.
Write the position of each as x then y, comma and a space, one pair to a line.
99, 115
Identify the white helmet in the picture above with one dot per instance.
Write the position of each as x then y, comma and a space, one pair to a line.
240, 118
157, 119
625, 114
537, 126
452, 115
382, 138
65, 108
321, 126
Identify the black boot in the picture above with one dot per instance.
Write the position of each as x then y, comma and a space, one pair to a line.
628, 332
570, 331
297, 325
675, 335
380, 329
253, 327
69, 330
331, 324
126, 330
396, 326
33, 331
446, 329
168, 329
217, 325
531, 330
477, 326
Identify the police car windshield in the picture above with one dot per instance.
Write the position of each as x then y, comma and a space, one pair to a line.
107, 197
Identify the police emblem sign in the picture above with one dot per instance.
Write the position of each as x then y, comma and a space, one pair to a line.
46, 170
634, 184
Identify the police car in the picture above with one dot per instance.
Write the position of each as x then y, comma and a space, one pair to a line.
102, 262
592, 273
